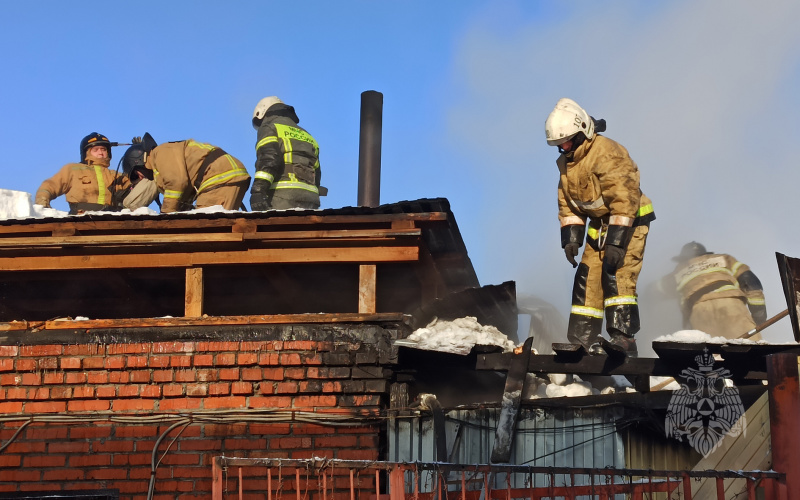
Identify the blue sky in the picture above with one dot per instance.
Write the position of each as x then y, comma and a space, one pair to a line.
702, 93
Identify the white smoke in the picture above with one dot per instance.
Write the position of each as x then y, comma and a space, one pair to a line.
703, 95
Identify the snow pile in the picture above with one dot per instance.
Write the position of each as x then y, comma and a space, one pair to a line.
459, 336
558, 385
18, 205
698, 337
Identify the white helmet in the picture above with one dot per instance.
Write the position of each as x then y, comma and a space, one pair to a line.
565, 121
261, 109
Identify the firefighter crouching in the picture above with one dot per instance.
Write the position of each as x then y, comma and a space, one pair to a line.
142, 190
718, 294
193, 174
599, 183
287, 160
89, 185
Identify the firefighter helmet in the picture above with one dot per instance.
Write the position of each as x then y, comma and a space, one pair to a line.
133, 157
92, 140
261, 109
566, 121
690, 250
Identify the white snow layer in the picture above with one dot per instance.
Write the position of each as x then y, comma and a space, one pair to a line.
19, 205
699, 337
459, 336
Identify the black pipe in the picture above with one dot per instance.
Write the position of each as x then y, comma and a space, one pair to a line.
369, 149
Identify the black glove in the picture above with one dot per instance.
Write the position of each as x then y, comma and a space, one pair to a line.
258, 195
136, 140
571, 251
612, 260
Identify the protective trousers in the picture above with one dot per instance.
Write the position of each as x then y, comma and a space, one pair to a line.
725, 317
230, 196
597, 293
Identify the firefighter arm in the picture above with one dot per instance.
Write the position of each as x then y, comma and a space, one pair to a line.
619, 185
269, 163
753, 290
171, 178
53, 187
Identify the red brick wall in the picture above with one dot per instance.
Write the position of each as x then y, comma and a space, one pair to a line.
91, 410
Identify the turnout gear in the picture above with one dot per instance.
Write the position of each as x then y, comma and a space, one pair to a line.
718, 294
287, 161
89, 185
188, 172
599, 185
92, 140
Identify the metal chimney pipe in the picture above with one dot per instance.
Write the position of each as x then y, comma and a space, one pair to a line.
369, 149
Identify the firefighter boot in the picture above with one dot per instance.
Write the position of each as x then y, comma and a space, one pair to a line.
585, 330
620, 345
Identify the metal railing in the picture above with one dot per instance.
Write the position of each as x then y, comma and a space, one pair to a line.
323, 479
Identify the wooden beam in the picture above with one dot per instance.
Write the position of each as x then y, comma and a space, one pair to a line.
367, 274
200, 258
149, 223
311, 318
152, 239
193, 300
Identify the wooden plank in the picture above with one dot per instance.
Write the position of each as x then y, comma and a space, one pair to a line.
367, 274
221, 321
190, 259
148, 223
747, 451
13, 326
120, 239
149, 239
193, 299
512, 395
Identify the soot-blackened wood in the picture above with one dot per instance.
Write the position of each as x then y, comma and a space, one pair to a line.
512, 395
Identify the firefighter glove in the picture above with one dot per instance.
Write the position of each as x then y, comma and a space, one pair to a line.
258, 195
613, 258
571, 251
136, 140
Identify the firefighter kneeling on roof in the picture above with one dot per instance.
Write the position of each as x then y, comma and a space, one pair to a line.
599, 182
191, 173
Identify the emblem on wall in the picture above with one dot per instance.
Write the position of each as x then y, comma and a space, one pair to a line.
705, 409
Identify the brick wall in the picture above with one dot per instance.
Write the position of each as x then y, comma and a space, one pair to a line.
88, 415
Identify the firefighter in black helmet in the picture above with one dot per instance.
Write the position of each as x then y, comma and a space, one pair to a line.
718, 294
88, 185
143, 189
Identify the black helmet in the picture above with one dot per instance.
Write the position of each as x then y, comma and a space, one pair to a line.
92, 140
689, 251
133, 157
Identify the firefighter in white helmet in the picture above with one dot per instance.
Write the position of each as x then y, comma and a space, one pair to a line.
287, 160
599, 185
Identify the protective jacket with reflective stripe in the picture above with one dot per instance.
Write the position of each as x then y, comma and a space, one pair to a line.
82, 183
601, 182
177, 166
287, 156
714, 276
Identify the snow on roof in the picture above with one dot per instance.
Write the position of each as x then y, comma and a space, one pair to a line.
699, 337
458, 336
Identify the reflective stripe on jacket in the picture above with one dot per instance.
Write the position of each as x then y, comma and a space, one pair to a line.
82, 183
713, 276
287, 156
176, 169
601, 183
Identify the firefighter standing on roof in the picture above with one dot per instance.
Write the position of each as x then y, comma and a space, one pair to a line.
88, 185
190, 173
287, 160
718, 294
599, 183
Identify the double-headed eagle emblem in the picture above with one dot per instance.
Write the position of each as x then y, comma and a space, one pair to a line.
705, 409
